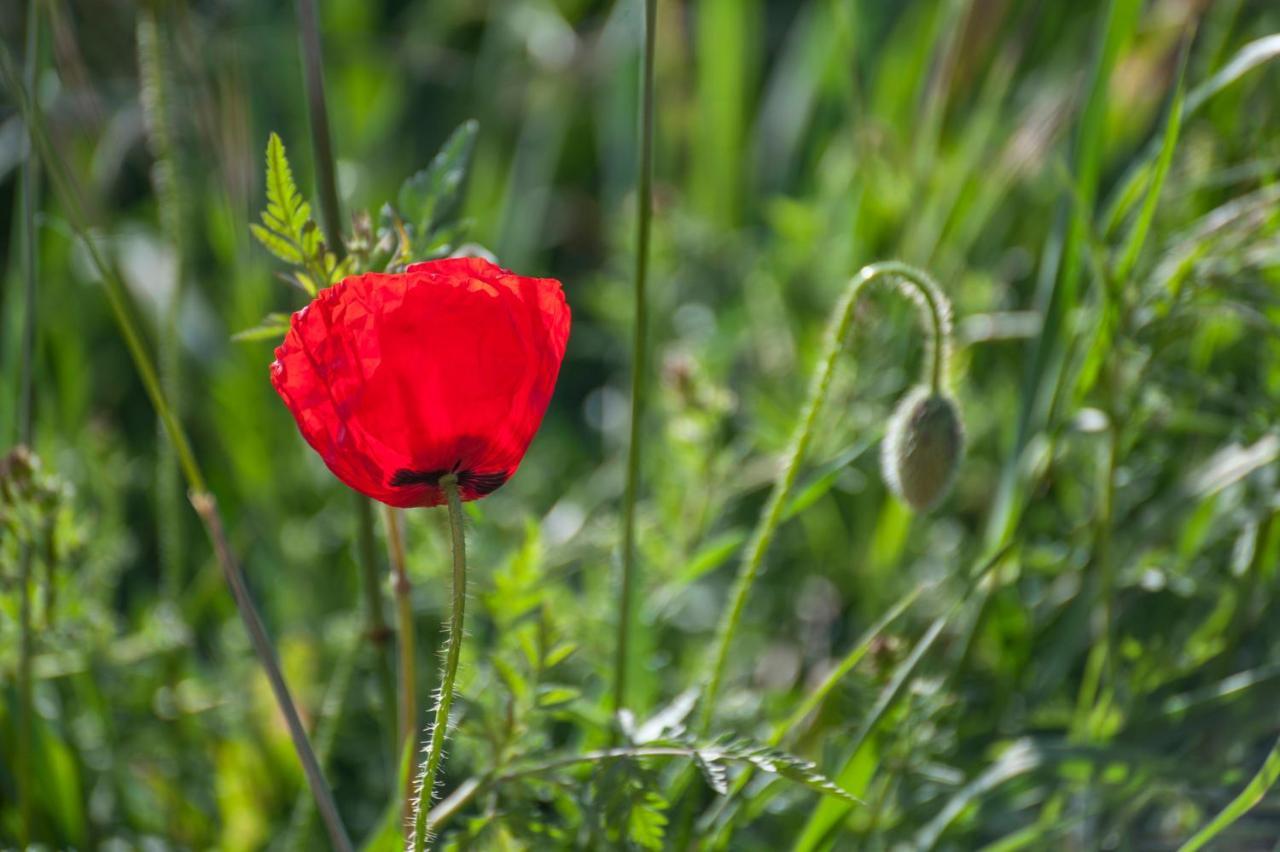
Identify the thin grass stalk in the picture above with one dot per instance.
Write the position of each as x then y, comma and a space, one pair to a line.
406, 644
153, 66
313, 72
332, 708
29, 179
26, 422
206, 507
426, 788
936, 311
376, 630
26, 710
117, 297
639, 361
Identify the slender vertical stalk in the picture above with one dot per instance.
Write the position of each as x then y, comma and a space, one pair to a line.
25, 703
153, 67
936, 312
639, 360
30, 177
206, 507
313, 71
117, 297
376, 630
406, 643
26, 420
439, 729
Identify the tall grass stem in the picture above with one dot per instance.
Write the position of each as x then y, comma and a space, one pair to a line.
639, 361
313, 72
206, 508
376, 631
153, 69
406, 643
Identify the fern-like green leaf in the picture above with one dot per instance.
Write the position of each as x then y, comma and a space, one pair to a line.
281, 246
775, 762
715, 774
287, 229
285, 207
648, 821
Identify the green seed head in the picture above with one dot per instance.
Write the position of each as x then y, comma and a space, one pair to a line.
922, 449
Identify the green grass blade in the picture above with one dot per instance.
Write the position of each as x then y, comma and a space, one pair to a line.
1241, 804
1142, 225
1058, 299
828, 815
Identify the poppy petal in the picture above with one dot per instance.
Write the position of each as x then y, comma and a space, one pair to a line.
398, 379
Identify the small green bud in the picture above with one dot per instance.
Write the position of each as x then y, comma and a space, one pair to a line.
922, 449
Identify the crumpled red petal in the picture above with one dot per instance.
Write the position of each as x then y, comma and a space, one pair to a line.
398, 379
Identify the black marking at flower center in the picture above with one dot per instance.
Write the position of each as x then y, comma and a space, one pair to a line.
479, 483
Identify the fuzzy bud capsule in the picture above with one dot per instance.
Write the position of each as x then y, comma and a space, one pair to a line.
922, 448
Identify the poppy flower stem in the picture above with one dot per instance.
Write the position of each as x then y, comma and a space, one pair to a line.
639, 361
936, 312
439, 728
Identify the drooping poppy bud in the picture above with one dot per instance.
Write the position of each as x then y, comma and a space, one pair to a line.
399, 379
922, 448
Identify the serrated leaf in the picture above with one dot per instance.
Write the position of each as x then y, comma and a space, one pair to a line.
427, 197
648, 821
278, 245
776, 762
284, 202
717, 777
669, 721
272, 327
301, 280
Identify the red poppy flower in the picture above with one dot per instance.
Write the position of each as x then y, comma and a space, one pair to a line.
398, 379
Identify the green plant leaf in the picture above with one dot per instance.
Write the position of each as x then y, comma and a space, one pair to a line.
427, 197
281, 246
286, 212
272, 327
648, 821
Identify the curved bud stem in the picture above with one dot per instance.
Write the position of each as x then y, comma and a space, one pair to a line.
936, 311
435, 748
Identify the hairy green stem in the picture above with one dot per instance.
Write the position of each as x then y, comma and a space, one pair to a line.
406, 643
936, 311
439, 728
639, 362
117, 297
313, 71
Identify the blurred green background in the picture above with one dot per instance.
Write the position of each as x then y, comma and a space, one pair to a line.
1094, 659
